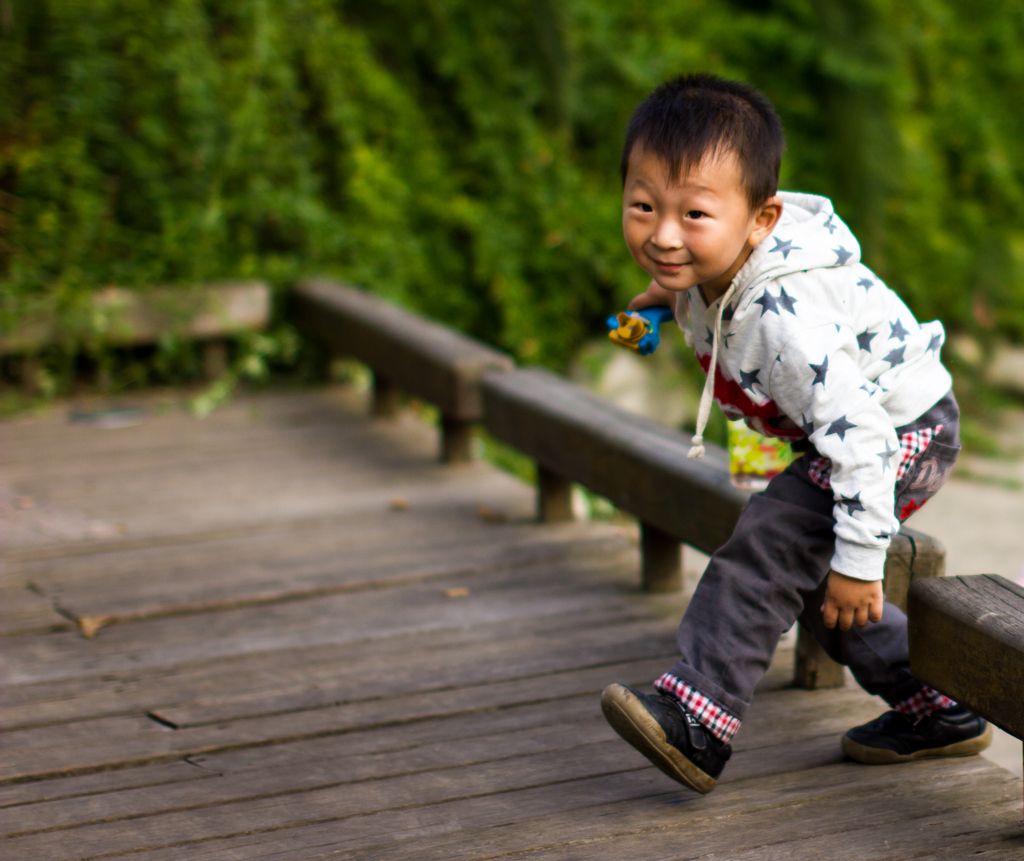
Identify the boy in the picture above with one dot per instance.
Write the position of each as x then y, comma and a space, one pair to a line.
805, 343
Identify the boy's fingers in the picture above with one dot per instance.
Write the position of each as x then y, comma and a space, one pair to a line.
829, 614
875, 613
861, 617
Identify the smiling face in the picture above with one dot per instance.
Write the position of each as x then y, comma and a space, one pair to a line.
696, 230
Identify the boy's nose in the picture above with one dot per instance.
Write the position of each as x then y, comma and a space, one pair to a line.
667, 234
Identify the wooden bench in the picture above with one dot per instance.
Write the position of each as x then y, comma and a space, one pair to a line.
642, 468
119, 317
405, 353
967, 640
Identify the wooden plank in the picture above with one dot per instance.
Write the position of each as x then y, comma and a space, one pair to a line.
893, 821
282, 563
331, 803
636, 463
163, 418
510, 739
295, 429
437, 741
23, 609
61, 794
555, 806
326, 764
420, 356
242, 686
420, 605
967, 639
125, 317
317, 756
299, 477
122, 741
101, 515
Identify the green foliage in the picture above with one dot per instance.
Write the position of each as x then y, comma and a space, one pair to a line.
461, 157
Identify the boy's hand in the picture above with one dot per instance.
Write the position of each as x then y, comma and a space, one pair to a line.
653, 295
849, 601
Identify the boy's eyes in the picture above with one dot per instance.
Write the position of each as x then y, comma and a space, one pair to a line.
692, 213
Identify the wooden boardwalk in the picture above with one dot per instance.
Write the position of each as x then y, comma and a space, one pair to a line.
285, 632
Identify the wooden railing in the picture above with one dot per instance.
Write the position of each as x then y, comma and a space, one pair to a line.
405, 353
117, 317
573, 436
967, 640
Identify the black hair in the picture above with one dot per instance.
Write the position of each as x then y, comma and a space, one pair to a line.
693, 116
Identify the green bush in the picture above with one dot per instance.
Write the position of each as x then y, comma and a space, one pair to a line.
461, 157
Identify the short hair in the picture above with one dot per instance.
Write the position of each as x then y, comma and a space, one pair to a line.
694, 116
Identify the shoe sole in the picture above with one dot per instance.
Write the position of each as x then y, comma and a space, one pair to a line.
634, 724
880, 756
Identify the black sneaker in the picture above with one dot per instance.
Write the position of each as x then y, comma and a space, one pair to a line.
893, 737
669, 736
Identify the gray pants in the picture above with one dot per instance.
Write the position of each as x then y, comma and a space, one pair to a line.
773, 571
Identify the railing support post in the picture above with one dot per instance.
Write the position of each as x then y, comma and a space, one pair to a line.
814, 668
456, 440
215, 358
661, 560
385, 397
554, 496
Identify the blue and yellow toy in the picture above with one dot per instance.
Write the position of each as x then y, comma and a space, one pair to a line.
639, 330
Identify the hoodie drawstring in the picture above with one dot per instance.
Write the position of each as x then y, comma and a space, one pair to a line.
707, 396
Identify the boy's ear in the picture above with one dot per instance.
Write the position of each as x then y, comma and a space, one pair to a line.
765, 219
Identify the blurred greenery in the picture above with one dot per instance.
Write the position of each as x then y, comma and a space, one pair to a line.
461, 157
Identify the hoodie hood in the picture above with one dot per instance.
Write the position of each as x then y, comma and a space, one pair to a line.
809, 235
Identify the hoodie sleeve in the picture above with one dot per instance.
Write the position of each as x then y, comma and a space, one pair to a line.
816, 381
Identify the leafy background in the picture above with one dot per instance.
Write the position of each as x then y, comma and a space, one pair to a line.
461, 157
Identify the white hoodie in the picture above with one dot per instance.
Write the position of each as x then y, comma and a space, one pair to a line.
814, 345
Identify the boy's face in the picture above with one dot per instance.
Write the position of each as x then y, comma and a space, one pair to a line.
696, 231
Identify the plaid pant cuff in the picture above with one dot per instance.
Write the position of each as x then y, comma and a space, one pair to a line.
715, 719
923, 703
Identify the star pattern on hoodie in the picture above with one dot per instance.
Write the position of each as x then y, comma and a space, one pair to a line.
784, 247
767, 303
897, 332
866, 283
864, 340
852, 503
830, 224
806, 425
839, 427
787, 302
819, 372
749, 378
935, 343
886, 456
895, 357
842, 255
